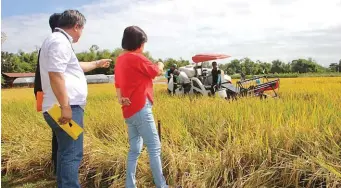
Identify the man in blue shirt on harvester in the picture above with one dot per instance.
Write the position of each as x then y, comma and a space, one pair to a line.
168, 74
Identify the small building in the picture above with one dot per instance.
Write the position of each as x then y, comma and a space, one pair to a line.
97, 78
10, 77
24, 82
27, 79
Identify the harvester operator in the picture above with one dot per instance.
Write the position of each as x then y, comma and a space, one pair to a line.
216, 77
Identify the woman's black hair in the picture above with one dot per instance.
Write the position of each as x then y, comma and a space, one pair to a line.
133, 38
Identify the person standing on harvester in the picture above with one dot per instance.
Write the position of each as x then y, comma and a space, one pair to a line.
216, 78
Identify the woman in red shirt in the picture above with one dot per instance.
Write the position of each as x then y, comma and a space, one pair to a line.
133, 80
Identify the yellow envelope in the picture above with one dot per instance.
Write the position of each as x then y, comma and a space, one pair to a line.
72, 128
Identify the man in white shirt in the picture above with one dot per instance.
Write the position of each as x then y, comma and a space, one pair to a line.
183, 80
53, 21
64, 83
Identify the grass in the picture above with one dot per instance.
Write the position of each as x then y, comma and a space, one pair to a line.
293, 141
17, 182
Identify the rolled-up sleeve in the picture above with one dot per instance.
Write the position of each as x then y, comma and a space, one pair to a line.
148, 68
59, 54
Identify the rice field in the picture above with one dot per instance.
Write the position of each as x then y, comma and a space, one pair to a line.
292, 141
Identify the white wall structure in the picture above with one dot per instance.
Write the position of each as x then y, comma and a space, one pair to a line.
97, 78
27, 80
111, 78
91, 79
24, 82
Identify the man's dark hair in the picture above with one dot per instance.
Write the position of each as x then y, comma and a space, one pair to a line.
133, 38
214, 62
53, 21
71, 18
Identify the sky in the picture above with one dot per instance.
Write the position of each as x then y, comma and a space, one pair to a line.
260, 29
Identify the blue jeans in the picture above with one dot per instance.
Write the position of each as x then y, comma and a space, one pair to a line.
141, 127
70, 152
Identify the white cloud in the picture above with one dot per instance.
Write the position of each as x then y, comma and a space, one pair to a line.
262, 29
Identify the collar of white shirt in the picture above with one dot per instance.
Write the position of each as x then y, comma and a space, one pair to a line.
68, 36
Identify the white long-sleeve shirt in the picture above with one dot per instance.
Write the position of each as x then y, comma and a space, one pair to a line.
183, 78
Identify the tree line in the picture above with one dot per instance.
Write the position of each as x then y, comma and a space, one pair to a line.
23, 62
26, 62
249, 67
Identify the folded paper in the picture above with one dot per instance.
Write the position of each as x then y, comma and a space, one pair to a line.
71, 128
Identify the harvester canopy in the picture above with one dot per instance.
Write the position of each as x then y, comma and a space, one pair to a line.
208, 57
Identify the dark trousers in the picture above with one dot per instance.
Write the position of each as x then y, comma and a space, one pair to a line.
187, 88
70, 152
213, 89
54, 152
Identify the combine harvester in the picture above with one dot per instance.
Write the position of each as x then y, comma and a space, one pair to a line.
201, 81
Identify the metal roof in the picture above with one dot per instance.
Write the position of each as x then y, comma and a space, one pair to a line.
27, 80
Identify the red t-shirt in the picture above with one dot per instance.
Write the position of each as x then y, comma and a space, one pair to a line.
133, 76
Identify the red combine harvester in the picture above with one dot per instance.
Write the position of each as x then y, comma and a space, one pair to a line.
256, 87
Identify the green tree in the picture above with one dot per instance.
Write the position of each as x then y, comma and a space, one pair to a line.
334, 67
169, 62
26, 62
277, 66
266, 67
6, 62
234, 67
286, 67
3, 37
94, 48
305, 66
248, 66
182, 62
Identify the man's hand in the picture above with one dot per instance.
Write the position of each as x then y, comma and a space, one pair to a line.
124, 101
89, 66
103, 63
66, 115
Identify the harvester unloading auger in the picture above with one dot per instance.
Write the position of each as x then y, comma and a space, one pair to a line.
201, 81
